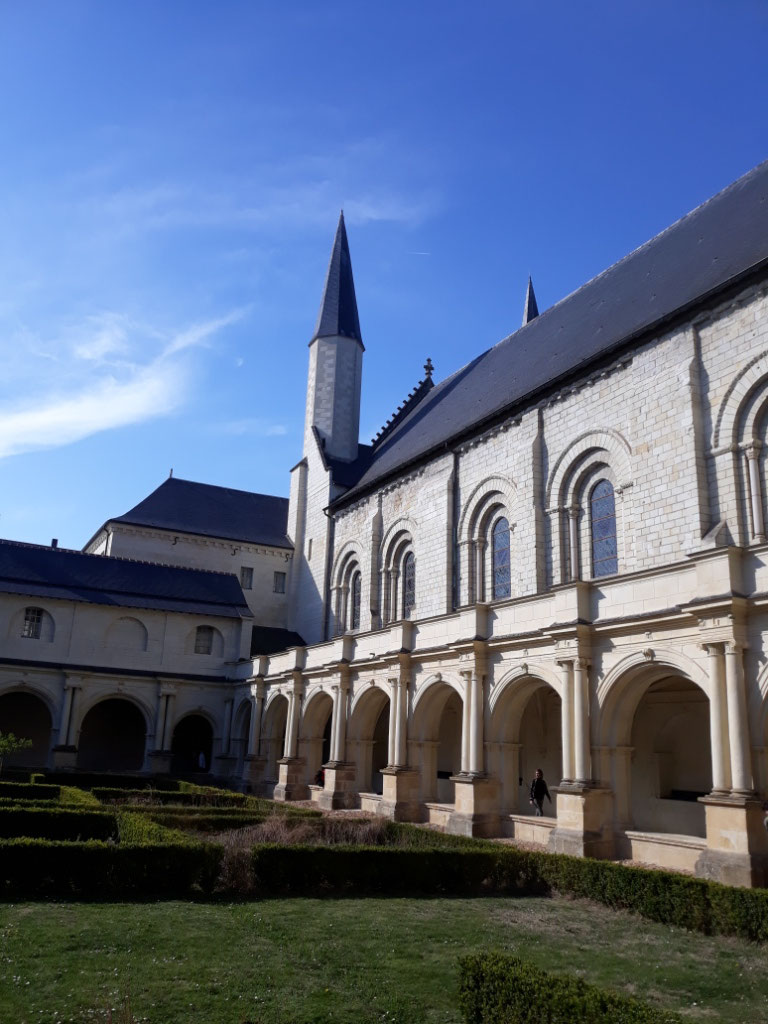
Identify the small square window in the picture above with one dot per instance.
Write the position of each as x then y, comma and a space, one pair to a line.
278, 586
246, 578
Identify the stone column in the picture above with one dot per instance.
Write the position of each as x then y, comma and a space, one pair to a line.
292, 725
755, 495
480, 570
392, 737
401, 744
581, 720
566, 713
394, 577
574, 569
622, 774
738, 726
226, 733
721, 769
68, 714
465, 721
387, 591
170, 700
254, 733
476, 724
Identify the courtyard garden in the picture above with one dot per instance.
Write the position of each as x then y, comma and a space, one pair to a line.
189, 904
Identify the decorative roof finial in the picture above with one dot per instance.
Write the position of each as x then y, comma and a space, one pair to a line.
428, 368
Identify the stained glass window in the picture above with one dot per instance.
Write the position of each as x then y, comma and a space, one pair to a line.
603, 529
354, 616
409, 584
500, 554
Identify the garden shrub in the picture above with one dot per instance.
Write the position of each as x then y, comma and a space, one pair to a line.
56, 823
497, 989
204, 798
87, 780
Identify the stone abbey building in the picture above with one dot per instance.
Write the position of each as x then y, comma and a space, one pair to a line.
555, 558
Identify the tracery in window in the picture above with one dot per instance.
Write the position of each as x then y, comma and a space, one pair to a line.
409, 584
500, 551
355, 590
602, 507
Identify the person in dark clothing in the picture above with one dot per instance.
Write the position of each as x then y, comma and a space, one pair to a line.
539, 790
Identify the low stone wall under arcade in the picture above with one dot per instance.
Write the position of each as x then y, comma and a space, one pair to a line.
648, 725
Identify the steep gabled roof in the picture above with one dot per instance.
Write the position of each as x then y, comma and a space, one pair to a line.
338, 309
717, 246
37, 571
184, 506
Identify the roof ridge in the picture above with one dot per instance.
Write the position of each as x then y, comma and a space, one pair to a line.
411, 401
114, 558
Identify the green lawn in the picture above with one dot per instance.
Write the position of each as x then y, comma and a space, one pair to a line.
347, 961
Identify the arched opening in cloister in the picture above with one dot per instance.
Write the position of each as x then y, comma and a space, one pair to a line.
192, 745
315, 739
671, 758
273, 735
112, 737
27, 717
240, 732
526, 734
369, 739
437, 732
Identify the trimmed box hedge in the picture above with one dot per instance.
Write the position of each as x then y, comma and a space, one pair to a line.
56, 823
87, 780
204, 798
497, 989
691, 903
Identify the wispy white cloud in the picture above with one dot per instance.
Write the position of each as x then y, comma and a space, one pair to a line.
102, 389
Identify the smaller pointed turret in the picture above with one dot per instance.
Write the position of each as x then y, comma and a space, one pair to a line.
531, 310
338, 310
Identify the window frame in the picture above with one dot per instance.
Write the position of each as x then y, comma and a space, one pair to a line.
32, 626
281, 578
208, 633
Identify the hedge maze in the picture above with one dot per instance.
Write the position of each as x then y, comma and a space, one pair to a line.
93, 841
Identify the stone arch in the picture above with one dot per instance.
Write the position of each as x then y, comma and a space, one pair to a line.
738, 397
525, 733
27, 713
350, 549
112, 735
437, 734
493, 487
192, 736
368, 734
399, 563
654, 727
617, 453
273, 728
127, 633
402, 525
315, 731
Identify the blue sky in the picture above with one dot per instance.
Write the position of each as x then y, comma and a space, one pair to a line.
172, 173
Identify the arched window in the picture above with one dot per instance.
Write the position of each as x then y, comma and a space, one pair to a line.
204, 640
500, 555
409, 584
354, 600
602, 527
37, 624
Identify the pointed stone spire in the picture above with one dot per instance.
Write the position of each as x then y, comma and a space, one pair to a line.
338, 310
531, 310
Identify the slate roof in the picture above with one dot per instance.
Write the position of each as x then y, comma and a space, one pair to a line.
183, 506
716, 246
338, 309
39, 571
272, 640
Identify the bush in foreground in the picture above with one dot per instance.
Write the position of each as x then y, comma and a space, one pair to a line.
496, 989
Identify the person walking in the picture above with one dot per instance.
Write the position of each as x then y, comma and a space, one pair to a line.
539, 790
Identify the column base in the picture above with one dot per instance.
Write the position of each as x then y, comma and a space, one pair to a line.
159, 762
400, 796
476, 806
290, 780
340, 789
64, 758
737, 841
584, 826
253, 771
